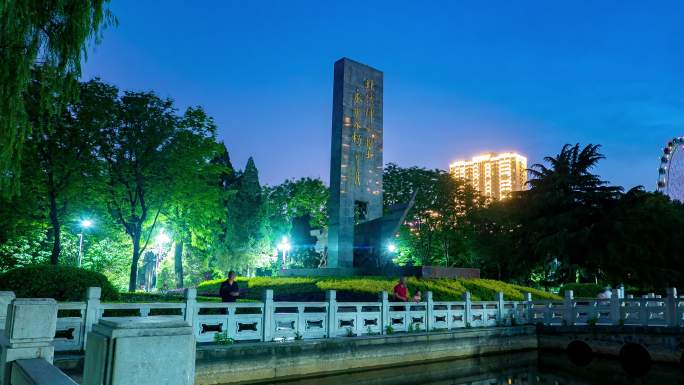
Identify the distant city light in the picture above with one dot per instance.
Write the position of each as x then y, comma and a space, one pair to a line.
495, 176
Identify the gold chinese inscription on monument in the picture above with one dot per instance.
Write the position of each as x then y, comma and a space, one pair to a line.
363, 145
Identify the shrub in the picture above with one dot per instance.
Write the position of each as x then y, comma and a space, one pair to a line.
284, 287
536, 293
367, 288
138, 297
486, 289
63, 283
581, 290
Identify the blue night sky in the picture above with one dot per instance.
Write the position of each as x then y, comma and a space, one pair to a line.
460, 78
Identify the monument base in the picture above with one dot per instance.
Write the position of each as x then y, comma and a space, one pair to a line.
392, 271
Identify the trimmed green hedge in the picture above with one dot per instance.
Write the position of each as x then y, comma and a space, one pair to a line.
581, 290
138, 297
63, 283
367, 288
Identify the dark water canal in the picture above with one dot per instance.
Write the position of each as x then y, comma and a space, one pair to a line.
524, 368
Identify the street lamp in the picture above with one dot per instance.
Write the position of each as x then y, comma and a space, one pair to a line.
392, 248
284, 246
86, 223
162, 239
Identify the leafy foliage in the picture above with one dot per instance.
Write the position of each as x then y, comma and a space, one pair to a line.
63, 283
571, 226
581, 290
53, 34
137, 297
367, 288
437, 229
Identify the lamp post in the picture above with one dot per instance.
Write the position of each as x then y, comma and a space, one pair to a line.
161, 239
284, 246
86, 223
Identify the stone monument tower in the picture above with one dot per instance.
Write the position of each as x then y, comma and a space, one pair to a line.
356, 157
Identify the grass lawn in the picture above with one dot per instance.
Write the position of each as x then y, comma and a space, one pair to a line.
367, 288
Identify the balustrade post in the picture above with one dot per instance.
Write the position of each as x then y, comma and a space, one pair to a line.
331, 297
569, 314
6, 297
384, 316
269, 308
467, 308
126, 351
615, 308
621, 289
671, 307
501, 315
191, 307
30, 331
644, 311
430, 311
92, 311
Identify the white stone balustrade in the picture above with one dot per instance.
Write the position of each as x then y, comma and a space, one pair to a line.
6, 298
28, 335
271, 320
119, 351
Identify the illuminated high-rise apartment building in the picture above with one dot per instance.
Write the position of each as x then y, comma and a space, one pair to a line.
494, 175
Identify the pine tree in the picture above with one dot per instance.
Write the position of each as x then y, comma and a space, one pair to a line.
245, 240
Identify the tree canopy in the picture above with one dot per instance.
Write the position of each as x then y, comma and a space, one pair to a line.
50, 34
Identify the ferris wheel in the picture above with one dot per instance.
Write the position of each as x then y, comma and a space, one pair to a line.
671, 171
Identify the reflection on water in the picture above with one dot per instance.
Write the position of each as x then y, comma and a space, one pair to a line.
522, 368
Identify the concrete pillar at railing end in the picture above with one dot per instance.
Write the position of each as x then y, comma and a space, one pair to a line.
569, 302
127, 351
501, 313
430, 311
621, 289
384, 303
92, 311
615, 308
6, 298
190, 306
331, 298
671, 307
467, 309
268, 315
31, 326
529, 311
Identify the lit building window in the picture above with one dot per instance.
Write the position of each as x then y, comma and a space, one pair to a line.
494, 175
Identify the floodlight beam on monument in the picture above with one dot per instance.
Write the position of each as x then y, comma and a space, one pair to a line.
671, 170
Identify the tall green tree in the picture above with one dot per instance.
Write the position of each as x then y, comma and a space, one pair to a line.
49, 33
296, 198
140, 151
61, 147
293, 208
246, 239
438, 226
196, 207
567, 200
